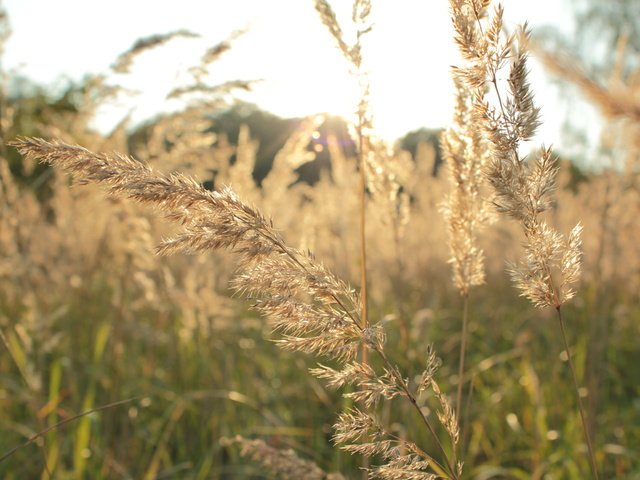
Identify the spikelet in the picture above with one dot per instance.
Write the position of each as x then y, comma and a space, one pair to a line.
125, 60
464, 209
523, 186
284, 463
384, 169
213, 54
315, 311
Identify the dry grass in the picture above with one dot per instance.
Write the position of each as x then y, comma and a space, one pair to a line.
314, 311
390, 407
523, 188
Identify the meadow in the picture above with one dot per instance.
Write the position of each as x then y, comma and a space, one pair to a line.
151, 328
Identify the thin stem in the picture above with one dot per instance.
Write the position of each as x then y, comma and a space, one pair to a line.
463, 346
592, 458
41, 447
494, 80
465, 422
363, 220
363, 253
3, 147
405, 388
439, 469
398, 286
40, 434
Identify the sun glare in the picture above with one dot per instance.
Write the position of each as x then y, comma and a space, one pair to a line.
328, 88
301, 72
409, 49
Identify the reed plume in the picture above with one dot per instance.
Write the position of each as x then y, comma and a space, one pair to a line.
125, 60
378, 181
523, 186
314, 311
284, 463
464, 209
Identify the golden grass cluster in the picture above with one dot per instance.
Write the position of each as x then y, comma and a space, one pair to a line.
338, 269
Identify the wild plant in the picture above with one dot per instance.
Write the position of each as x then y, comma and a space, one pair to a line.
465, 210
507, 117
286, 464
613, 194
314, 311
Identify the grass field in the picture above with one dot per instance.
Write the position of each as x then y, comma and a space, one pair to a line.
120, 363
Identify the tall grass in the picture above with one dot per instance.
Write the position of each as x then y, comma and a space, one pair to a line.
522, 188
91, 319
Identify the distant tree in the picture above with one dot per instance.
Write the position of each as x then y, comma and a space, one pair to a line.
271, 132
597, 62
413, 139
599, 27
606, 22
29, 109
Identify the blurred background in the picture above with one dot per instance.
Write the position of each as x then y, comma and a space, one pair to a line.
285, 47
256, 95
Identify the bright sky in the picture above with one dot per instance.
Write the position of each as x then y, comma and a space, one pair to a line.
410, 51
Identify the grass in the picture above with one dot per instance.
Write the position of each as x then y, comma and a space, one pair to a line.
124, 365
238, 383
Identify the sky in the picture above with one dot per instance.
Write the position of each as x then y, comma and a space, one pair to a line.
409, 52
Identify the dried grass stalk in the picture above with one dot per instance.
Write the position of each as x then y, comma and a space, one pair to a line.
125, 60
523, 186
284, 463
313, 310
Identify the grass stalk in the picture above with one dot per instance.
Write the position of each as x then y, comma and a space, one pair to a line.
19, 359
362, 226
592, 458
363, 250
73, 418
412, 399
463, 346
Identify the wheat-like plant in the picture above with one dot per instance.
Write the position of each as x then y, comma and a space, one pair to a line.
126, 59
465, 211
614, 195
377, 179
523, 186
309, 307
313, 310
284, 463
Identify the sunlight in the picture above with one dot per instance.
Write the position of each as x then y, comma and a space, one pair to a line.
300, 78
409, 53
380, 268
329, 88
